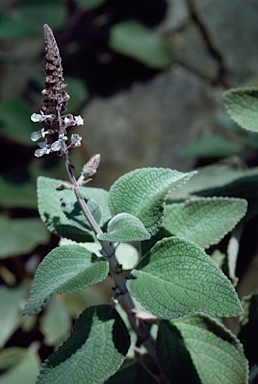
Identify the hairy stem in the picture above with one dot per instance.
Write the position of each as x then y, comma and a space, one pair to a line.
140, 327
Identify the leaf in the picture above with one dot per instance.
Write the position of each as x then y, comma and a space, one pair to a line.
142, 193
242, 106
204, 221
20, 236
214, 146
14, 194
211, 176
12, 27
75, 215
64, 270
135, 373
217, 354
177, 277
23, 366
173, 357
133, 39
34, 12
15, 121
124, 227
89, 4
94, 352
245, 187
11, 300
50, 203
55, 322
248, 334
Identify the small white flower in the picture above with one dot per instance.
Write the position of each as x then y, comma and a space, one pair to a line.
38, 134
68, 120
56, 146
44, 149
39, 117
75, 138
78, 120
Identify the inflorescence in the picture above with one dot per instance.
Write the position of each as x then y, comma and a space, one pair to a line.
52, 115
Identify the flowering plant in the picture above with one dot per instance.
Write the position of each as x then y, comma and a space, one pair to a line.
167, 303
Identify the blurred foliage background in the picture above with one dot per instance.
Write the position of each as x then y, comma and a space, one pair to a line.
147, 77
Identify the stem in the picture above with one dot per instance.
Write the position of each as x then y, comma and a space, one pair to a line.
140, 327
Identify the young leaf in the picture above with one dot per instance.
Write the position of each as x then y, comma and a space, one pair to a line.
64, 270
68, 222
242, 106
135, 373
93, 353
142, 193
204, 221
125, 227
135, 40
177, 277
216, 353
173, 358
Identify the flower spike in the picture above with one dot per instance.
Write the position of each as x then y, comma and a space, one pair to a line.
53, 106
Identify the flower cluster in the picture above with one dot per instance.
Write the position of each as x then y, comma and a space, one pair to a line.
52, 115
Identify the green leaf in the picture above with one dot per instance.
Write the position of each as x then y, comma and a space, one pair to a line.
242, 106
173, 358
204, 221
217, 354
89, 4
215, 146
135, 373
14, 194
15, 121
13, 27
11, 300
142, 193
50, 203
123, 228
64, 270
94, 352
177, 277
20, 236
34, 12
75, 215
133, 39
23, 366
126, 254
245, 187
55, 323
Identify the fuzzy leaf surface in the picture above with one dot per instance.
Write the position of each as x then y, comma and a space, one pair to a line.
60, 212
204, 221
93, 353
173, 358
135, 373
242, 106
177, 277
64, 270
142, 193
125, 227
216, 353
